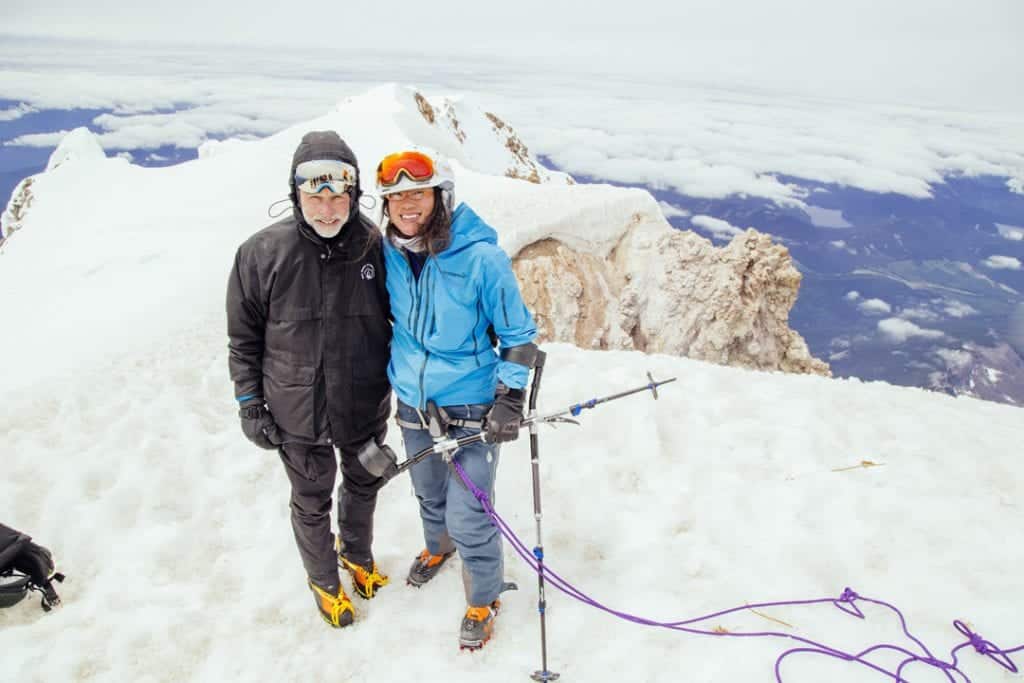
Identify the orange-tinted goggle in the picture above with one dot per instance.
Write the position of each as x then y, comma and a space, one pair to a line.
415, 165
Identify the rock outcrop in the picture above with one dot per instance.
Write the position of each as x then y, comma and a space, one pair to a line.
661, 290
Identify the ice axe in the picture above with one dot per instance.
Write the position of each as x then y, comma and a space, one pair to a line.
380, 460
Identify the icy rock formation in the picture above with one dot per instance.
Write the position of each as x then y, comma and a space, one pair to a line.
17, 207
666, 291
79, 144
452, 125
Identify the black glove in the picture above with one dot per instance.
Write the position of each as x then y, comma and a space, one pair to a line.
258, 424
378, 459
501, 423
36, 562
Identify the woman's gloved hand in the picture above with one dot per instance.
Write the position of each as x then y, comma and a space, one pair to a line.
501, 423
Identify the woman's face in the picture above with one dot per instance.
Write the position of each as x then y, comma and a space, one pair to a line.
410, 210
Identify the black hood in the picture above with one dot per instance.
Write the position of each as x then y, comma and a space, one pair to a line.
322, 144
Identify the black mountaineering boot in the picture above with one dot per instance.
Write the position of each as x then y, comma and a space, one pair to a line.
425, 567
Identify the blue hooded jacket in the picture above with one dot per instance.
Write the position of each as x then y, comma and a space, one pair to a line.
440, 349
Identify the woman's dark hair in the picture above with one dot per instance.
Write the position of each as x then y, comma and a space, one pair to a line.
436, 233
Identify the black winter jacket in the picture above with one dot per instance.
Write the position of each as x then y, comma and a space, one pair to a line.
308, 330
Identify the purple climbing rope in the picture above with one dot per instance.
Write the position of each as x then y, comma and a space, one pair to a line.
846, 602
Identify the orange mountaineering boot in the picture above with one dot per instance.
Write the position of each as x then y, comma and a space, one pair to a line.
333, 605
477, 626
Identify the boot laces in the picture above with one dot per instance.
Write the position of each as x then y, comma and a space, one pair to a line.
427, 560
369, 580
335, 605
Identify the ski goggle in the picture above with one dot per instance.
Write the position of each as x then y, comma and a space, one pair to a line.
313, 176
414, 165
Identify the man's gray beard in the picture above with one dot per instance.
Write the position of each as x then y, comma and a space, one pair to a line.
318, 230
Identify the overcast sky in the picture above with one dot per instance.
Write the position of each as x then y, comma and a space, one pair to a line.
477, 23
940, 49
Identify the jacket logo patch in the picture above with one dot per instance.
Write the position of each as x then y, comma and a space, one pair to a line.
367, 272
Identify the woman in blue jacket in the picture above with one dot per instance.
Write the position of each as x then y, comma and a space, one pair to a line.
453, 294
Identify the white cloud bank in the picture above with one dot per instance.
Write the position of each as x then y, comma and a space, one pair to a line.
672, 211
723, 230
997, 262
897, 331
826, 218
15, 113
1011, 232
920, 313
874, 307
958, 309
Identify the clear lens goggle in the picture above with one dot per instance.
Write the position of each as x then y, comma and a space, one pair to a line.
313, 176
414, 165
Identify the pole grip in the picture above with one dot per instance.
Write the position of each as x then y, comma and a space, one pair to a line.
538, 371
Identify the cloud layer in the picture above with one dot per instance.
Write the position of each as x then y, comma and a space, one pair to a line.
700, 139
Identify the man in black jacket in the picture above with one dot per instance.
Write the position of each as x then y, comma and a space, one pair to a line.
308, 329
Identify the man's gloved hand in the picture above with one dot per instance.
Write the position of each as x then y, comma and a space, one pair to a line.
501, 423
378, 459
37, 562
258, 424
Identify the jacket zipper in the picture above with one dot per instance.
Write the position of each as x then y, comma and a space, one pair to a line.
323, 333
423, 301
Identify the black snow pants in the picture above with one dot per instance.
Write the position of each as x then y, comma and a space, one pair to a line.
312, 471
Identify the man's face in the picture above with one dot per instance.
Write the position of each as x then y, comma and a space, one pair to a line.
326, 211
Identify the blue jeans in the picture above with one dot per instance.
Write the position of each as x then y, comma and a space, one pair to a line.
449, 510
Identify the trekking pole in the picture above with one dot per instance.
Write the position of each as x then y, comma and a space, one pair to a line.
538, 552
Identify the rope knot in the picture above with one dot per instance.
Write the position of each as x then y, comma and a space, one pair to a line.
980, 645
849, 595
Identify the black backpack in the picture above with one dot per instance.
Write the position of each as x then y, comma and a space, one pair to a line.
26, 566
